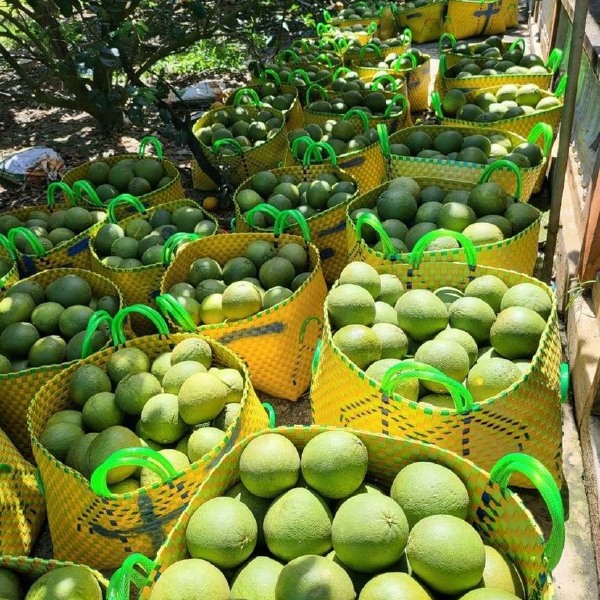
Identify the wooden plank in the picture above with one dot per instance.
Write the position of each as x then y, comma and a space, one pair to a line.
589, 259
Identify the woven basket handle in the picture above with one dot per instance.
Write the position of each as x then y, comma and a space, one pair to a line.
369, 48
541, 478
369, 219
150, 140
128, 574
228, 142
95, 321
282, 221
544, 131
463, 401
372, 28
384, 140
518, 44
340, 72
38, 250
139, 457
323, 29
313, 153
286, 55
303, 139
442, 65
10, 249
244, 93
326, 16
299, 73
554, 60
300, 44
385, 77
319, 88
271, 414
85, 191
120, 200
504, 164
396, 99
172, 244
271, 73
169, 307
419, 248
262, 208
64, 188
413, 62
406, 36
561, 87
446, 42
342, 45
116, 327
355, 112
323, 58
436, 104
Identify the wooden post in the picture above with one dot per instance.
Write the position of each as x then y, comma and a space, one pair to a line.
589, 260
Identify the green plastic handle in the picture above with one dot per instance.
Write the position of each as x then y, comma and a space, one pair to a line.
419, 248
271, 412
541, 478
504, 164
314, 365
446, 37
371, 28
397, 99
561, 87
442, 65
83, 188
285, 55
172, 244
281, 222
302, 44
369, 219
64, 188
358, 113
340, 72
123, 199
385, 77
326, 16
152, 141
554, 60
406, 36
323, 29
116, 327
246, 93
519, 43
10, 249
228, 142
303, 139
413, 62
274, 74
342, 45
436, 103
313, 152
319, 88
323, 58
565, 377
38, 249
369, 48
119, 587
463, 401
170, 307
95, 321
262, 208
300, 73
128, 457
384, 140
541, 130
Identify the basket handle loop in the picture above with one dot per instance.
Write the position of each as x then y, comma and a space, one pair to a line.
518, 44
323, 58
436, 103
463, 401
319, 88
10, 249
95, 321
554, 60
541, 478
419, 248
442, 65
407, 35
342, 45
326, 16
315, 148
369, 219
119, 587
262, 208
301, 44
360, 114
270, 72
541, 130
385, 77
369, 48
271, 414
64, 188
285, 55
228, 142
140, 457
413, 61
296, 143
170, 307
561, 87
340, 72
372, 28
38, 250
172, 244
123, 199
384, 140
504, 164
300, 73
282, 221
446, 42
396, 99
83, 188
152, 141
116, 327
246, 93
323, 29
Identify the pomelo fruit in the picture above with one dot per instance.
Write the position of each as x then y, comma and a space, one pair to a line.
393, 586
66, 583
107, 443
101, 412
201, 398
489, 288
16, 308
179, 461
490, 377
257, 579
489, 594
462, 338
69, 290
240, 300
517, 332
202, 440
421, 314
176, 375
501, 574
407, 388
359, 343
134, 390
529, 296
447, 356
57, 438
126, 361
350, 304
160, 419
474, 316
391, 288
394, 343
257, 505
363, 275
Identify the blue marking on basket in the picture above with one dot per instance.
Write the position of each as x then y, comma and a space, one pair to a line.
252, 332
487, 13
393, 126
335, 229
28, 265
353, 162
414, 16
154, 294
79, 247
326, 253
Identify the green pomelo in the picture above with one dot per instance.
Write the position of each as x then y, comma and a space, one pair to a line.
134, 390
107, 443
421, 314
16, 308
447, 356
359, 344
393, 586
58, 437
408, 388
101, 412
126, 361
462, 338
529, 296
490, 289
202, 397
501, 574
87, 381
160, 418
473, 315
490, 377
350, 304
49, 350
517, 332
69, 290
66, 583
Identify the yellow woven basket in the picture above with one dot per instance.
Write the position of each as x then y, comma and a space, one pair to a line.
447, 43
327, 228
351, 55
526, 417
510, 10
520, 125
30, 569
517, 253
276, 343
19, 387
101, 529
8, 252
22, 504
140, 285
410, 166
425, 22
498, 514
473, 18
172, 191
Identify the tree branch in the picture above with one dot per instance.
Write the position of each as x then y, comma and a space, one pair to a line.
28, 33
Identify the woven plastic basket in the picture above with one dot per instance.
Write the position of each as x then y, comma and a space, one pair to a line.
99, 528
19, 387
425, 22
526, 417
410, 166
327, 228
351, 55
447, 43
472, 18
276, 343
498, 514
8, 252
517, 253
418, 78
22, 504
172, 191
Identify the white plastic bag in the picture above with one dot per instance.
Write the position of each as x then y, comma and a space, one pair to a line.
32, 165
